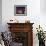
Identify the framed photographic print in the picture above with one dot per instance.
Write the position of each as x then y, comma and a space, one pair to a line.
20, 10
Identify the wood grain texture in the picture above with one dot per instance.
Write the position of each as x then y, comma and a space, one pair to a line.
23, 27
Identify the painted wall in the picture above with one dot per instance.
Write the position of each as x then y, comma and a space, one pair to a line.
34, 14
43, 14
33, 11
0, 15
43, 6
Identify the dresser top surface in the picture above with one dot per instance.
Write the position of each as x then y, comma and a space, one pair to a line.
19, 23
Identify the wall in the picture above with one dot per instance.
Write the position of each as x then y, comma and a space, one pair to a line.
0, 15
43, 6
33, 10
43, 14
34, 14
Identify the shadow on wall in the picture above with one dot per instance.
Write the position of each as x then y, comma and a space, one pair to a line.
43, 6
0, 15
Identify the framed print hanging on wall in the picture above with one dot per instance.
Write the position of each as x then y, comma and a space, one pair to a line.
20, 10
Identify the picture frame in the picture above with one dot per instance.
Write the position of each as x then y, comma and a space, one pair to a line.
20, 10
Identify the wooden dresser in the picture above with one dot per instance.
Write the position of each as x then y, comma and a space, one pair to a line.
22, 33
